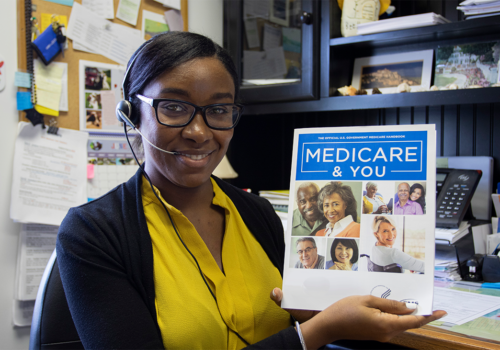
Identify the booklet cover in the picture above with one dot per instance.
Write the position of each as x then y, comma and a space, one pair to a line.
363, 203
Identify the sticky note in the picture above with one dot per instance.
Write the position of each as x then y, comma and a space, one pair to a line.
22, 79
46, 20
24, 100
90, 171
47, 111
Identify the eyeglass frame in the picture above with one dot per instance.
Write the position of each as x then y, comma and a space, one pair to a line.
153, 102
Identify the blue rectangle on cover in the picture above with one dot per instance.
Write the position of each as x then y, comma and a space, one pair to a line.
362, 156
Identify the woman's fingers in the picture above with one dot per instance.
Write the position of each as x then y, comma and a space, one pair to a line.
412, 321
387, 305
277, 296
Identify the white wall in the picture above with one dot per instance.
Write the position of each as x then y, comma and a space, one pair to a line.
205, 17
10, 337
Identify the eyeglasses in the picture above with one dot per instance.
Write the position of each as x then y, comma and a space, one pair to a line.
307, 250
177, 113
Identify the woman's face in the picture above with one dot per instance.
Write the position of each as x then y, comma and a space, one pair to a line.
371, 191
386, 234
416, 194
201, 81
343, 254
334, 208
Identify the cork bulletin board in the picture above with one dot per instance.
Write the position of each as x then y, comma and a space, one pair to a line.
70, 119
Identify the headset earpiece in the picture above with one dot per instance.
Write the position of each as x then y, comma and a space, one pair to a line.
124, 112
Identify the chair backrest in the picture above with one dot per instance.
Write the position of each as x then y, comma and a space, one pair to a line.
372, 267
52, 326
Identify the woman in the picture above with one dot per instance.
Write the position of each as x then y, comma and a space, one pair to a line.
417, 194
338, 205
385, 231
373, 203
179, 263
344, 253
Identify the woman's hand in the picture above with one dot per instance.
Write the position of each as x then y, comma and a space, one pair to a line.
360, 318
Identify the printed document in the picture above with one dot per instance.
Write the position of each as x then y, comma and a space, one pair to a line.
36, 244
49, 174
102, 36
362, 201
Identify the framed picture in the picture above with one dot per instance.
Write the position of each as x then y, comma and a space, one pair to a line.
279, 12
386, 72
467, 65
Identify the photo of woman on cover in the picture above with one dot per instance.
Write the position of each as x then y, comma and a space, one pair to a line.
393, 250
337, 202
344, 253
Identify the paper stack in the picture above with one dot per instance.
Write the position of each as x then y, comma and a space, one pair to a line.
279, 201
399, 23
452, 234
479, 8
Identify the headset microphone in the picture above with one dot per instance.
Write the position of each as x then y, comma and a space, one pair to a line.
158, 148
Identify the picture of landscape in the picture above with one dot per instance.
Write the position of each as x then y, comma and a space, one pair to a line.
391, 75
469, 65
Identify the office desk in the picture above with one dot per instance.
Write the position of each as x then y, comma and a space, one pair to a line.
429, 337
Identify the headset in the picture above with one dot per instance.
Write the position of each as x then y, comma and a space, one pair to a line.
125, 115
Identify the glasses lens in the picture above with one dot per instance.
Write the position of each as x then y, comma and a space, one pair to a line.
222, 116
174, 113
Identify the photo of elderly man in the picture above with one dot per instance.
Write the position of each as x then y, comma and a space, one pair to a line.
404, 206
308, 254
307, 217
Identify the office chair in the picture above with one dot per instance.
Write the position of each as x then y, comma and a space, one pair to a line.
52, 326
372, 267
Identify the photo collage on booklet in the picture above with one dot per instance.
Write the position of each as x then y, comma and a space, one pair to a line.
376, 226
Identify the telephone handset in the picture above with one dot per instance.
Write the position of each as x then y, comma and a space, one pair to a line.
455, 188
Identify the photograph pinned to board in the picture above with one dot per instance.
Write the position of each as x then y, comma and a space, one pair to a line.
100, 91
152, 24
468, 65
279, 12
388, 254
386, 72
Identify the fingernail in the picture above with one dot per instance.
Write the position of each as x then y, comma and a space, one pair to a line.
411, 306
274, 294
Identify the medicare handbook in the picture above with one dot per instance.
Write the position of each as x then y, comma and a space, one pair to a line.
363, 203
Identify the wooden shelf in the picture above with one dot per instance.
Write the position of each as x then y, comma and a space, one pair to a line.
449, 31
413, 99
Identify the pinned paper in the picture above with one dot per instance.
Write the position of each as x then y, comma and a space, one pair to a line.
104, 8
48, 85
152, 24
90, 171
173, 4
24, 100
22, 79
128, 11
63, 2
174, 20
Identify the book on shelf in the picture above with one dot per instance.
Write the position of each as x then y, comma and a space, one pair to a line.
478, 7
357, 251
399, 23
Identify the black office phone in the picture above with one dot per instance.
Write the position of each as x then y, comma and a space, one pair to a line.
455, 188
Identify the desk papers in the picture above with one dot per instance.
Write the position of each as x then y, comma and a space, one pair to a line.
463, 307
350, 158
49, 174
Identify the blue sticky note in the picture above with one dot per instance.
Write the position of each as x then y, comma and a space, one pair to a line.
63, 2
22, 80
24, 100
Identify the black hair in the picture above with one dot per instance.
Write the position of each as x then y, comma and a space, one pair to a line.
165, 51
345, 192
421, 200
346, 242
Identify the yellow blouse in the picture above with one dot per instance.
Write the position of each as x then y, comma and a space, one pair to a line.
188, 316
